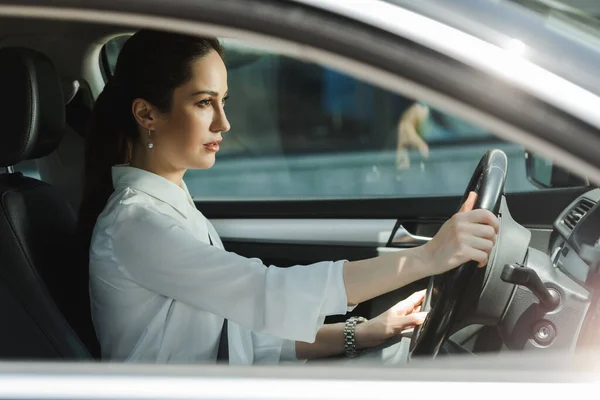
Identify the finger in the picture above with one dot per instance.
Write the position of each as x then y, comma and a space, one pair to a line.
480, 243
469, 203
415, 299
478, 255
407, 305
485, 217
412, 320
482, 231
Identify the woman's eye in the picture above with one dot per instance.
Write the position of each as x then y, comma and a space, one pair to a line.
225, 100
204, 103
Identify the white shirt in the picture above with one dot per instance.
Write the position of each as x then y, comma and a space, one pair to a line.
160, 291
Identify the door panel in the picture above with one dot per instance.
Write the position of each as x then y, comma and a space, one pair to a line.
345, 232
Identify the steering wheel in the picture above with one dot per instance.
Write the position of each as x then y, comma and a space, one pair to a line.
446, 291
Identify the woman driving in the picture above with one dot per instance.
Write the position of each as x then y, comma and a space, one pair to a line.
162, 286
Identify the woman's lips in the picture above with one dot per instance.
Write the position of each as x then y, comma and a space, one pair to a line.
212, 146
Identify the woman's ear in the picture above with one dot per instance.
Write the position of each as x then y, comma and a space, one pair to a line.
144, 114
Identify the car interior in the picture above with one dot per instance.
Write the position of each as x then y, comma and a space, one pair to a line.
541, 289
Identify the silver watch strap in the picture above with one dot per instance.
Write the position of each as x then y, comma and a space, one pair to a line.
349, 336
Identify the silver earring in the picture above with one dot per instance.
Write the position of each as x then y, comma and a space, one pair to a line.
150, 144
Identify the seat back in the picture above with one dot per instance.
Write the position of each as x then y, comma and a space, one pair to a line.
44, 296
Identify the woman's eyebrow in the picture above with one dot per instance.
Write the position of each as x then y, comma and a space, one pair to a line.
209, 92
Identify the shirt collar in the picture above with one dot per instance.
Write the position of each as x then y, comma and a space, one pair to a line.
154, 185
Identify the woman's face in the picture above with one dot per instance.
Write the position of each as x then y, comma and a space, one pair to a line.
188, 137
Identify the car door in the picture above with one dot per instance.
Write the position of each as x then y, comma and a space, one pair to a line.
317, 165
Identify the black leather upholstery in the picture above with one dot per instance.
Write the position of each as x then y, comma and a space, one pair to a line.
37, 234
44, 296
32, 104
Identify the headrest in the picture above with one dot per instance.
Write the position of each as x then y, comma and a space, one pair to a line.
31, 106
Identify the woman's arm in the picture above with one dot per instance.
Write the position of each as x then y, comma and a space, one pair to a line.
330, 338
329, 342
370, 278
466, 236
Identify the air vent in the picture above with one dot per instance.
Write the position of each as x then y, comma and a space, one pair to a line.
576, 213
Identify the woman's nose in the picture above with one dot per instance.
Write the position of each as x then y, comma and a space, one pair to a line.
221, 123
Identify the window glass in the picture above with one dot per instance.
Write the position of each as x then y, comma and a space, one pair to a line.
111, 51
28, 168
302, 130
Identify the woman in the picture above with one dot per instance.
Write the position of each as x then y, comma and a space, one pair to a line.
161, 284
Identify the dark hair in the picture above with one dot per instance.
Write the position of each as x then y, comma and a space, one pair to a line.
151, 65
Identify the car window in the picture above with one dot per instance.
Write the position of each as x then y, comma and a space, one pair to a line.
111, 52
306, 131
28, 168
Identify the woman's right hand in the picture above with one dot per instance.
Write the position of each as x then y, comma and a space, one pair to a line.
469, 235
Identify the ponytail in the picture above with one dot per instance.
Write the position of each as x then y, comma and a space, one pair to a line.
108, 142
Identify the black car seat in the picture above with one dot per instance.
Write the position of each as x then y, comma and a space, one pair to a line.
44, 296
63, 168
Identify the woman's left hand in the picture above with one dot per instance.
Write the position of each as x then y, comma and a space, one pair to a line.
404, 315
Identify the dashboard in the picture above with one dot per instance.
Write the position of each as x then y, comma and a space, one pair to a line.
576, 233
555, 302
575, 250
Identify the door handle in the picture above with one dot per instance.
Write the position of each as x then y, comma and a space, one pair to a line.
403, 238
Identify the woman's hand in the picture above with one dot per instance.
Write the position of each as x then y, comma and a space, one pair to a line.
468, 235
406, 314
329, 340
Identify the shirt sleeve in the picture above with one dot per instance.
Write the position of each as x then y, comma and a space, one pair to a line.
159, 253
272, 350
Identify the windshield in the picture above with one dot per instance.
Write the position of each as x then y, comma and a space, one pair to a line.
580, 24
558, 37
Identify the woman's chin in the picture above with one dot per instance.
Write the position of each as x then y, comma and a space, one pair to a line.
205, 162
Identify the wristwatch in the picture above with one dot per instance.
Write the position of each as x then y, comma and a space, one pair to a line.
349, 340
